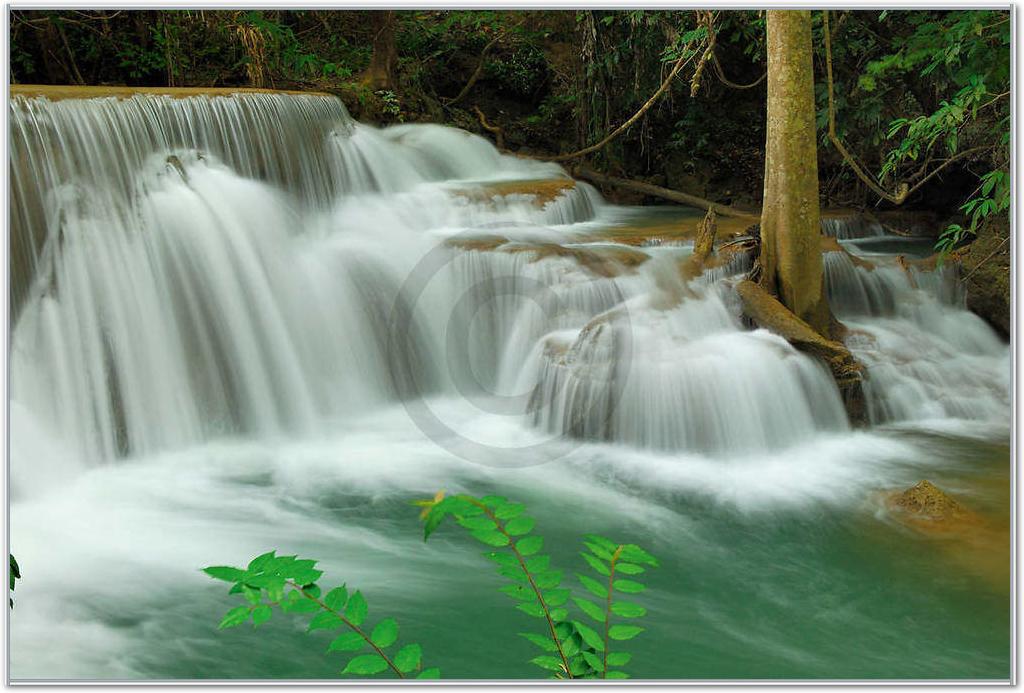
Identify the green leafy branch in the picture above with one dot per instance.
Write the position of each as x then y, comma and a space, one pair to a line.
994, 199
263, 584
574, 649
14, 575
607, 559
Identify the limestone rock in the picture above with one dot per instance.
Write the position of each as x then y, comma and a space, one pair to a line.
927, 501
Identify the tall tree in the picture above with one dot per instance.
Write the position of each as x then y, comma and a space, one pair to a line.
791, 265
381, 72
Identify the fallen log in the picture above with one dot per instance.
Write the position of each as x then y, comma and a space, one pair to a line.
657, 191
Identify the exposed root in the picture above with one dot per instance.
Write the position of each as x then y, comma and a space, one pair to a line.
766, 311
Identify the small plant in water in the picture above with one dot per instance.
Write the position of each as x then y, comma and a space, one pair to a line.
289, 582
571, 648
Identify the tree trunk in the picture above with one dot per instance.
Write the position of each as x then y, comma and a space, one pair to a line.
380, 74
791, 266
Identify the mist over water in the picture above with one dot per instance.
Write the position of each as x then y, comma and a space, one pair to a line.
248, 322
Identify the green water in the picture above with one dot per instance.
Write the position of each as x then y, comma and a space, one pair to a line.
817, 590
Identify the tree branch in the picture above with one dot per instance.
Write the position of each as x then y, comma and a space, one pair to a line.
636, 116
903, 190
729, 83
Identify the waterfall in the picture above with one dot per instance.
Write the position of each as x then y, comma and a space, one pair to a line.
186, 270
927, 356
849, 227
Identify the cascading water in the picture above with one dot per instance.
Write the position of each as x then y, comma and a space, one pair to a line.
227, 310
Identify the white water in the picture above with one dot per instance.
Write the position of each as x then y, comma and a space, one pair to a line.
228, 309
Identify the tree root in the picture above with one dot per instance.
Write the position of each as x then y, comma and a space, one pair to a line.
764, 310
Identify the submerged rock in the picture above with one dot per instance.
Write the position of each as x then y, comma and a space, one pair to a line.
926, 501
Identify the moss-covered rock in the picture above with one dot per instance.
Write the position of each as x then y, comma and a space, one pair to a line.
986, 274
926, 501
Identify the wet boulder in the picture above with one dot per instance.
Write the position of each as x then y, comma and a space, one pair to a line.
926, 501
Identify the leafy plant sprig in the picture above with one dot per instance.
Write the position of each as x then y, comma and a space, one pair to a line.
573, 649
289, 582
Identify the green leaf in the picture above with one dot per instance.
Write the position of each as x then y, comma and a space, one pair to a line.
557, 596
236, 616
590, 609
325, 620
529, 545
251, 594
559, 614
628, 568
347, 642
548, 579
616, 675
536, 564
490, 537
514, 573
622, 632
634, 554
275, 591
503, 559
593, 660
385, 633
628, 609
593, 586
257, 564
478, 522
545, 643
520, 592
531, 608
493, 501
336, 598
596, 564
433, 520
605, 543
571, 645
509, 510
260, 614
366, 664
408, 658
222, 572
295, 603
307, 576
577, 665
431, 673
628, 586
564, 630
598, 550
619, 659
356, 609
548, 662
519, 526
589, 636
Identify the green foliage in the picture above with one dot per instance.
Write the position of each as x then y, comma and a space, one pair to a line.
15, 573
968, 52
290, 584
573, 649
993, 199
521, 72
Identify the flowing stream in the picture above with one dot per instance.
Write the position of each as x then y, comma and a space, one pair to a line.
248, 322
